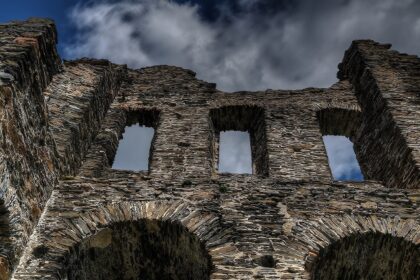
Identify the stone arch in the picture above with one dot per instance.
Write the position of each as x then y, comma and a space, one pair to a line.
369, 255
142, 249
202, 229
330, 240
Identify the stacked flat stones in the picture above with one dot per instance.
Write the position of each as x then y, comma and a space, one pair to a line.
66, 213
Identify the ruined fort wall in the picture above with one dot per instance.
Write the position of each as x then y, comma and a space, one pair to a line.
246, 222
45, 131
275, 223
28, 158
387, 86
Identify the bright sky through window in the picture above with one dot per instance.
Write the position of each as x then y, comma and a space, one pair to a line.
134, 148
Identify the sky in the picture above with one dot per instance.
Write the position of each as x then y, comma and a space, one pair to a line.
127, 157
239, 44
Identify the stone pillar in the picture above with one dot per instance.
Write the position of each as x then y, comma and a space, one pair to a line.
295, 147
387, 86
28, 170
182, 145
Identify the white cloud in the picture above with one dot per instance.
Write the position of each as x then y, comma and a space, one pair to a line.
267, 44
417, 27
296, 47
141, 34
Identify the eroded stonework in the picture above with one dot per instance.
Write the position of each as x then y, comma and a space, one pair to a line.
65, 214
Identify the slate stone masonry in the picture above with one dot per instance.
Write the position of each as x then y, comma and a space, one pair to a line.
65, 214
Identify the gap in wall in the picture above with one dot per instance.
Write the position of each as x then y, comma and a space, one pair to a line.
235, 152
134, 148
245, 120
342, 158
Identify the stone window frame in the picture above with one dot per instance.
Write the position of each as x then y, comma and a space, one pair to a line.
342, 122
104, 149
248, 118
148, 117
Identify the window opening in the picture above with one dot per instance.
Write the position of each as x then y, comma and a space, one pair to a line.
134, 148
238, 140
235, 152
339, 128
342, 158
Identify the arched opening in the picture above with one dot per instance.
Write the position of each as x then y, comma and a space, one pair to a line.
144, 249
372, 256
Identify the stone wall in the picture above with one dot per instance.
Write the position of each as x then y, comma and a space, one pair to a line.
77, 101
287, 220
387, 86
28, 61
50, 112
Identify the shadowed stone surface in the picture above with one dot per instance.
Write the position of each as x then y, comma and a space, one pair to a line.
140, 250
61, 123
368, 256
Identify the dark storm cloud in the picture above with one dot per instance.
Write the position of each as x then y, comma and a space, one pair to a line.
226, 11
243, 44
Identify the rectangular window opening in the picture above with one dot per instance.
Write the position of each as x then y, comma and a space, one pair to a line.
338, 127
235, 152
239, 142
342, 158
135, 148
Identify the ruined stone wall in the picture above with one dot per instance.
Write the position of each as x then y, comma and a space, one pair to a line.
45, 132
28, 61
75, 119
285, 221
387, 85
